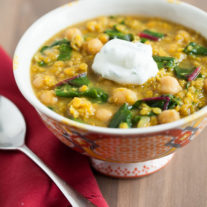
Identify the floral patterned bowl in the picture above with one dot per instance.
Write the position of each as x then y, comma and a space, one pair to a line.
114, 152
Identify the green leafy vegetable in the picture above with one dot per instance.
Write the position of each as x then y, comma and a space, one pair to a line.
44, 48
56, 43
96, 94
122, 22
195, 49
164, 62
143, 40
64, 48
59, 42
124, 114
159, 102
187, 85
65, 52
136, 119
80, 81
114, 33
77, 81
185, 73
154, 34
68, 91
173, 102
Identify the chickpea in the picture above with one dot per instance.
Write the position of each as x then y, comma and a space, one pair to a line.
168, 116
94, 46
91, 26
77, 42
123, 95
38, 81
169, 85
205, 85
103, 114
48, 98
104, 38
72, 32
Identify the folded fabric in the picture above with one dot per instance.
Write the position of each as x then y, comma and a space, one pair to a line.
22, 182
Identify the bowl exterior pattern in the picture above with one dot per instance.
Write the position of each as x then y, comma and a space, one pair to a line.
125, 149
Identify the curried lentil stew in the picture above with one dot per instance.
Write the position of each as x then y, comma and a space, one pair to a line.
63, 79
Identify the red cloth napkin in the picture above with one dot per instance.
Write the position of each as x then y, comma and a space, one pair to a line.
23, 183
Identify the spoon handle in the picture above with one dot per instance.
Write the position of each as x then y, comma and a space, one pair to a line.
75, 199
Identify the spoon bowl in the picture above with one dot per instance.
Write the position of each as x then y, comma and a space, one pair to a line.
12, 136
12, 125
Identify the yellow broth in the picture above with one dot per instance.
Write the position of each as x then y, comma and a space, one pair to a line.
47, 71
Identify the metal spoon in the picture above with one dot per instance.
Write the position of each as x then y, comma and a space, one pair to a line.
12, 135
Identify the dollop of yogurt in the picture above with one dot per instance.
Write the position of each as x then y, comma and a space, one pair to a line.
125, 62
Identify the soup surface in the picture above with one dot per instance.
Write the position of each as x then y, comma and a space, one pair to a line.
64, 81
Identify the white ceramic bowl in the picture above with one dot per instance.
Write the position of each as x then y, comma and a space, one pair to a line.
112, 145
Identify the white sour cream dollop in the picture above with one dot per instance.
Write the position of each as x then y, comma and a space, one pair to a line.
125, 62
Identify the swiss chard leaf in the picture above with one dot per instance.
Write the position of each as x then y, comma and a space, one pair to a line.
68, 91
95, 94
173, 102
56, 43
195, 49
59, 42
164, 62
44, 48
154, 34
65, 50
124, 114
80, 81
183, 73
150, 35
158, 102
113, 33
143, 40
77, 81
